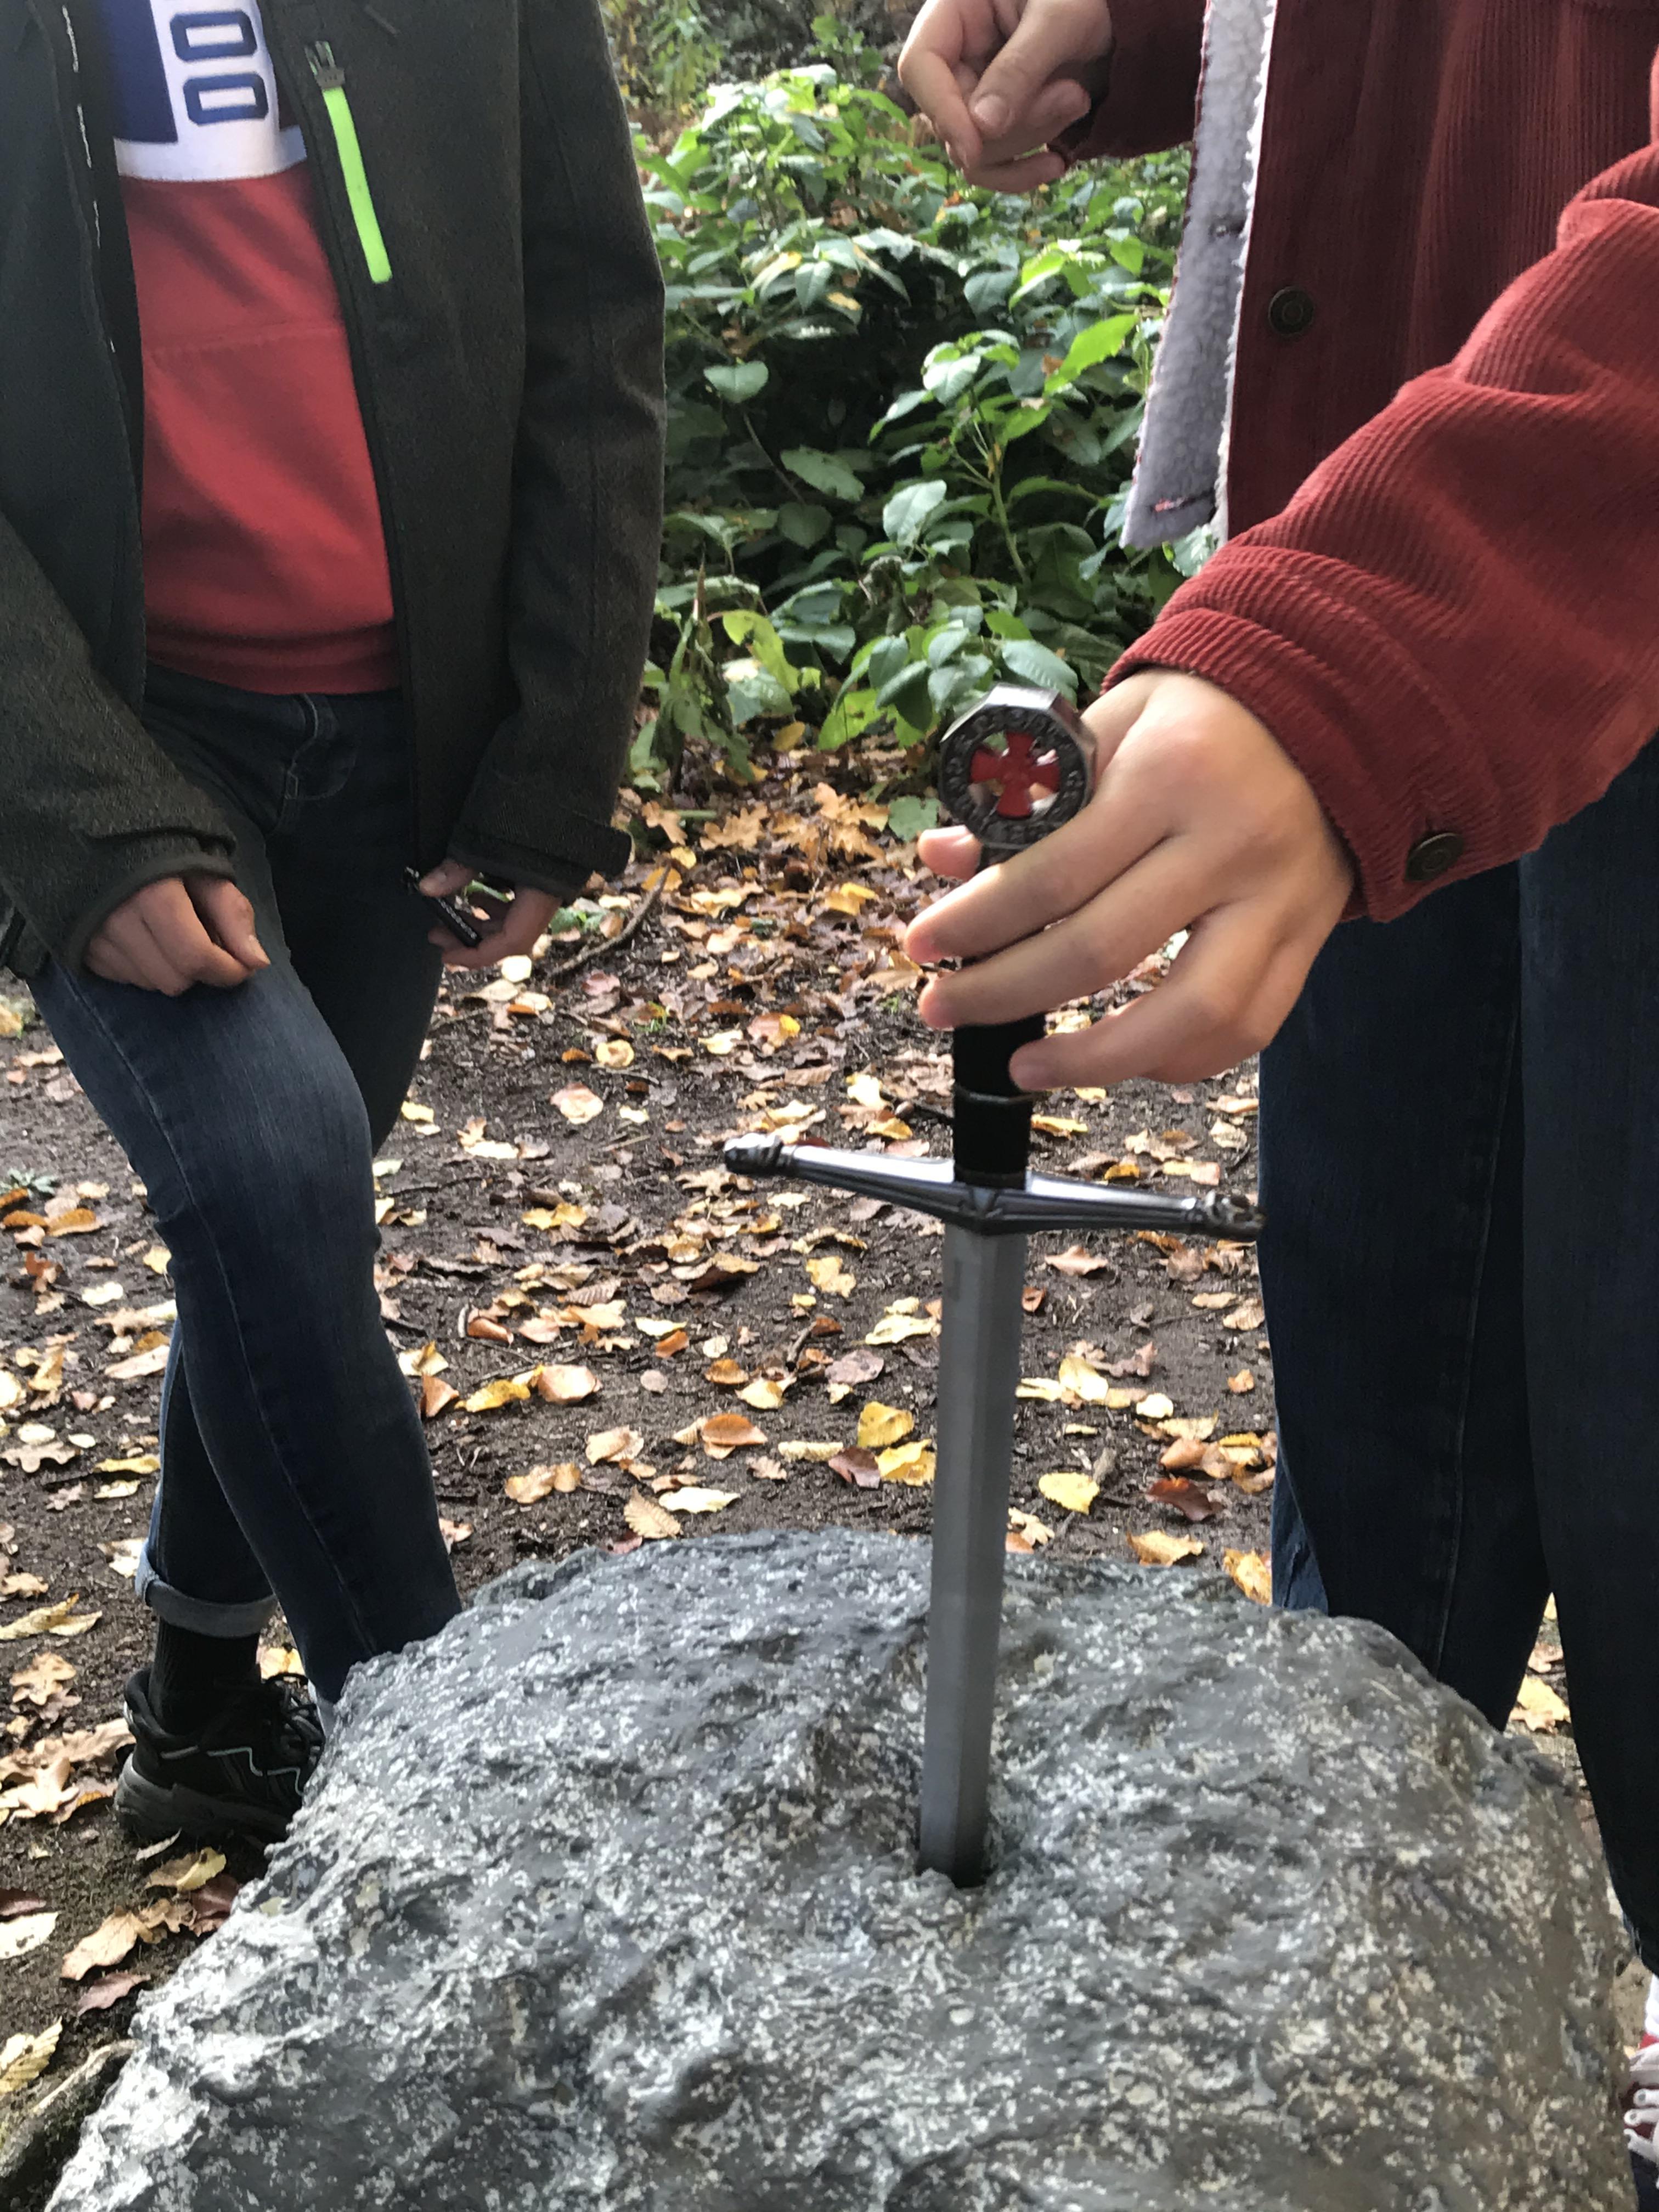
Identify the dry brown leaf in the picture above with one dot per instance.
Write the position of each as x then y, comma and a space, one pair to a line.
538, 1482
152, 1361
107, 1945
728, 1432
435, 1395
100, 1996
1242, 1383
647, 1518
1189, 1498
1078, 1261
1035, 1532
1253, 1574
724, 1374
578, 1103
855, 1466
1250, 1315
880, 1426
612, 1444
566, 1386
44, 1619
1157, 1547
41, 1680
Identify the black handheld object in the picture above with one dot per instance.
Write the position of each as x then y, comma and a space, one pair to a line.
1011, 770
454, 918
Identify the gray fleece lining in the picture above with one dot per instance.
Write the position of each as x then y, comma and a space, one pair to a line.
1181, 476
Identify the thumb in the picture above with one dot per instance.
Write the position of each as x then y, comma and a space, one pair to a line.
1044, 44
448, 877
228, 918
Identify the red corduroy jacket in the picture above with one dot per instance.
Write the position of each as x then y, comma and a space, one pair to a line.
1443, 599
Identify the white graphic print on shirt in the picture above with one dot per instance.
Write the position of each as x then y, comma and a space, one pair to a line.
195, 96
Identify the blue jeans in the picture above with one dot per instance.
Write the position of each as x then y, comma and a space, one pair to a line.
1460, 1159
292, 1457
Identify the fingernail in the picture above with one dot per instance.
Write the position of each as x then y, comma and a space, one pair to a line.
990, 112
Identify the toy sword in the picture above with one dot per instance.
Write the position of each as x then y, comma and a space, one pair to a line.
1014, 768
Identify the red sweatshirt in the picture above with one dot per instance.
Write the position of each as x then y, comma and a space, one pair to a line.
1451, 621
264, 563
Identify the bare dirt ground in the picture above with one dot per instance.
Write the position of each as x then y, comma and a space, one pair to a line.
613, 1339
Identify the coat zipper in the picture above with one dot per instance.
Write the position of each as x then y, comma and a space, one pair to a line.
320, 60
330, 82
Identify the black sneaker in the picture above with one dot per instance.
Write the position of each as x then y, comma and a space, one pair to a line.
242, 1775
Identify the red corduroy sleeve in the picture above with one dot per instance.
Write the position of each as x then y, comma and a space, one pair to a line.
1152, 95
1454, 626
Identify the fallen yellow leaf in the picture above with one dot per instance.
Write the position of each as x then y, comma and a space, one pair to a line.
1088, 1382
1251, 1572
722, 1434
692, 1499
880, 1424
911, 1463
505, 1390
24, 2058
614, 1445
1070, 1488
827, 1274
1538, 1708
764, 1394
1156, 1548
188, 1872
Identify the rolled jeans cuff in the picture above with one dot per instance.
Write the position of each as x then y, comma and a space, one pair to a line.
203, 1616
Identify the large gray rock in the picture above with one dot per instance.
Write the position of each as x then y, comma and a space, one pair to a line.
606, 1898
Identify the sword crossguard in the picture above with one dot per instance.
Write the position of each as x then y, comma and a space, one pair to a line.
1016, 766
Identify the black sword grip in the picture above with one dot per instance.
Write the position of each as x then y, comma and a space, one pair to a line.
992, 1115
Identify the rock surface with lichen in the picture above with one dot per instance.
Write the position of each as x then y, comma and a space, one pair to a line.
606, 1898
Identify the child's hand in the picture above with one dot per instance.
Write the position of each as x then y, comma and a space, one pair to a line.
998, 79
1199, 821
509, 925
176, 932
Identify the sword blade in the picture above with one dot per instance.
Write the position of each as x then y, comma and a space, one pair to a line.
978, 1375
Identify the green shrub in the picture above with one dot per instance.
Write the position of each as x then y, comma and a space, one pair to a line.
902, 417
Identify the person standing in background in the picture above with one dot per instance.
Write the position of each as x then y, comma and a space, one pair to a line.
330, 501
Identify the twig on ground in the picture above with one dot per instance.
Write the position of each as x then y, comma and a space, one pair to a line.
597, 952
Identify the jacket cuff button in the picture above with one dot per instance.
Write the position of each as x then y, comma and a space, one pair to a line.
1432, 855
1290, 311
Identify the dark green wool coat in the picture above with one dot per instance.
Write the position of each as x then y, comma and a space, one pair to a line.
509, 371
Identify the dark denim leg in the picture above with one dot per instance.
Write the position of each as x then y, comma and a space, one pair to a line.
1391, 1163
291, 1449
1590, 998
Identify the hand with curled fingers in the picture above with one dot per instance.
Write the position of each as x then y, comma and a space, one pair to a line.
998, 79
176, 932
505, 923
1199, 821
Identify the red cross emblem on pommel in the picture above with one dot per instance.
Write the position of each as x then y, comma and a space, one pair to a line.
1016, 772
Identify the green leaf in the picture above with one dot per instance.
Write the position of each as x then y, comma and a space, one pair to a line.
741, 380
908, 817
1101, 342
1035, 664
905, 515
887, 656
825, 472
801, 524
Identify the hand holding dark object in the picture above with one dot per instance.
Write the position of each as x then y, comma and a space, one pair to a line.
998, 79
176, 932
505, 925
1201, 821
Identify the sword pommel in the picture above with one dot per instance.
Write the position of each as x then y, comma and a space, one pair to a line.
756, 1156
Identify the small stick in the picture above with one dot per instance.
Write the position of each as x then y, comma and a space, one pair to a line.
609, 944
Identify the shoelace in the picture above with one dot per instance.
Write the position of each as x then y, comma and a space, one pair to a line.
298, 1733
1642, 2116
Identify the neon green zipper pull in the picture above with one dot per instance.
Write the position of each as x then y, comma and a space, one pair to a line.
330, 82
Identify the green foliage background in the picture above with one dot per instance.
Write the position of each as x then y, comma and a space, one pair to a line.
901, 418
